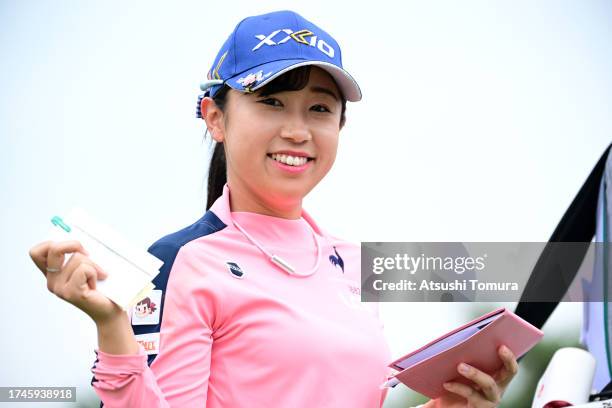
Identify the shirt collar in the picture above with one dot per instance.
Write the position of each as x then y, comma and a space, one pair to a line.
270, 227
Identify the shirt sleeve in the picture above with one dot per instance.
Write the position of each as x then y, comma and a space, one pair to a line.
178, 376
383, 396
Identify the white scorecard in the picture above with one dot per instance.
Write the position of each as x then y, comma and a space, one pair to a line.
130, 270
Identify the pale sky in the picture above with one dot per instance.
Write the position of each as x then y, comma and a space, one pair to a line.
480, 121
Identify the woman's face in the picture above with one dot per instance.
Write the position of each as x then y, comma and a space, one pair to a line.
256, 128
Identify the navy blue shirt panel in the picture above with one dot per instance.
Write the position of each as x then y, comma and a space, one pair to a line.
166, 249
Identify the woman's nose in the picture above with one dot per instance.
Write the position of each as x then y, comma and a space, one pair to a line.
297, 131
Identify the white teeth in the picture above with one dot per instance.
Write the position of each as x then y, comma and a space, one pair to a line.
290, 160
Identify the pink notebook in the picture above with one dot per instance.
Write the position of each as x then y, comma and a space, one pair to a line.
475, 343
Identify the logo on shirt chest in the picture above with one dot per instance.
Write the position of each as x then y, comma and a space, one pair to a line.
337, 260
235, 270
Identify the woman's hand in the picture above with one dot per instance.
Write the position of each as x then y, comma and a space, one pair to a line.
487, 391
74, 282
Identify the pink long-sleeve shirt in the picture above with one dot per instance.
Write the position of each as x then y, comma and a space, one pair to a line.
267, 339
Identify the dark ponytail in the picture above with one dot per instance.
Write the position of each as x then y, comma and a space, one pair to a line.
292, 80
217, 172
217, 175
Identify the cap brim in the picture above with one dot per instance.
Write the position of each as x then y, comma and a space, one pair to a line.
209, 83
271, 70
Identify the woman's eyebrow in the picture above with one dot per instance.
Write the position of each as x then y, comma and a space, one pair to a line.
319, 89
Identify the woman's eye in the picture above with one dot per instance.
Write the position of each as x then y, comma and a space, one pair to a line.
271, 102
320, 108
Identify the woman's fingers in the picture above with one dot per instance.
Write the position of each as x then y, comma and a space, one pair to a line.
470, 394
510, 368
57, 252
82, 280
485, 382
487, 390
101, 273
74, 281
38, 253
49, 257
75, 260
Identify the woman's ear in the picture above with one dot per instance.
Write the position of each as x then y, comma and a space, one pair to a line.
213, 116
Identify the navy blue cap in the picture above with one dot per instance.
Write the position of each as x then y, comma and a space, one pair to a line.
265, 46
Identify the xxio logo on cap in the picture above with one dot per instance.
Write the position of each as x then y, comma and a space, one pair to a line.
302, 36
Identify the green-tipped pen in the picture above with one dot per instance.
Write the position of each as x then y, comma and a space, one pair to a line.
60, 223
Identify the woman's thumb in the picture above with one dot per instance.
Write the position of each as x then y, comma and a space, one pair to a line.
101, 273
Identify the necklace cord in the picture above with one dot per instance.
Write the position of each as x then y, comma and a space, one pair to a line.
277, 260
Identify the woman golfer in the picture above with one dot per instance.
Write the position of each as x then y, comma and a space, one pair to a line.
256, 305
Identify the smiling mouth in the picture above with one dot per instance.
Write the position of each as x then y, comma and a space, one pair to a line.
290, 160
